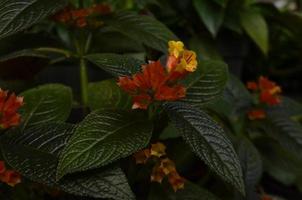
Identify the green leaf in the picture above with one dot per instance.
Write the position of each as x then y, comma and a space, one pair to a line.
103, 137
169, 132
116, 65
251, 164
22, 64
210, 13
204, 47
107, 94
191, 191
206, 83
208, 141
17, 15
34, 153
255, 26
278, 163
237, 95
142, 28
289, 107
287, 131
45, 104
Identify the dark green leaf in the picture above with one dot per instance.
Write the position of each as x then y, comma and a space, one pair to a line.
255, 26
208, 140
103, 137
142, 28
45, 104
170, 132
17, 15
107, 94
251, 164
287, 131
34, 154
288, 106
22, 64
210, 13
206, 83
117, 65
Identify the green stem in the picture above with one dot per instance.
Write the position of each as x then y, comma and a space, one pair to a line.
66, 53
84, 82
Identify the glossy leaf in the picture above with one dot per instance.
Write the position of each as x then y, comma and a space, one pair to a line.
116, 65
103, 137
107, 94
17, 15
45, 104
206, 83
287, 131
208, 141
34, 153
255, 26
251, 163
211, 14
142, 28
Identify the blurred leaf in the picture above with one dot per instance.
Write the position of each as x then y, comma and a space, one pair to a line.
17, 15
45, 104
115, 42
206, 83
287, 131
210, 13
107, 94
205, 48
24, 64
208, 140
116, 65
255, 26
251, 164
170, 132
191, 191
288, 106
103, 137
34, 153
142, 28
279, 163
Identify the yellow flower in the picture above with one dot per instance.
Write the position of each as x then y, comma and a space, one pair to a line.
188, 61
175, 48
158, 149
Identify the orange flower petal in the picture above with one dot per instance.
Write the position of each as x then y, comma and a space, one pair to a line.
256, 114
158, 149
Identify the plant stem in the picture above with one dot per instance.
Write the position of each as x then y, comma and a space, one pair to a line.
66, 53
84, 82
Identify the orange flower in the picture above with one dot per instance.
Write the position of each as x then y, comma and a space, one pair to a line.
268, 90
256, 114
2, 167
158, 149
157, 174
141, 157
159, 83
150, 85
266, 197
167, 166
176, 181
10, 177
102, 8
9, 105
252, 85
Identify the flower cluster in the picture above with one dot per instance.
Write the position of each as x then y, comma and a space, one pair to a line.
160, 83
267, 92
164, 167
10, 177
9, 105
78, 17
